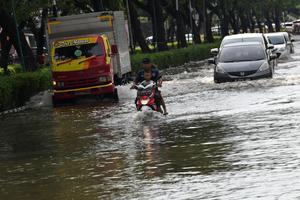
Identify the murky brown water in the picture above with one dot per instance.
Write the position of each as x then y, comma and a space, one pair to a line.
230, 141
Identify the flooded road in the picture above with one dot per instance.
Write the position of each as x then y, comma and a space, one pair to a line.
230, 141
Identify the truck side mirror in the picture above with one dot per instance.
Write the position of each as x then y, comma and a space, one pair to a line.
114, 49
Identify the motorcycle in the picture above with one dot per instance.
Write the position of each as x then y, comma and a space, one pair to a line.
146, 97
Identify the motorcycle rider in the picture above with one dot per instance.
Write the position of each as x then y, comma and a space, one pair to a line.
149, 67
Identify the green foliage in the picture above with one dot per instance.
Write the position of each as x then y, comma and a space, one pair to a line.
13, 69
16, 89
175, 57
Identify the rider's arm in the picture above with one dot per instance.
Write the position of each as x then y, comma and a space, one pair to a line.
136, 80
159, 79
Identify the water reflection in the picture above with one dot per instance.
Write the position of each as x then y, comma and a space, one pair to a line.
193, 147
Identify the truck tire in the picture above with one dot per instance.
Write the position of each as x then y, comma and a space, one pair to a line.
114, 96
117, 80
55, 102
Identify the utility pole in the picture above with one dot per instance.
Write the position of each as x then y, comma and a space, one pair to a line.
18, 37
130, 27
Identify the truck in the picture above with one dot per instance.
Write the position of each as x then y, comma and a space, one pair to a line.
89, 54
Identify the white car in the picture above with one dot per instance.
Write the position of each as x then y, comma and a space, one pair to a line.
289, 26
149, 39
246, 37
281, 44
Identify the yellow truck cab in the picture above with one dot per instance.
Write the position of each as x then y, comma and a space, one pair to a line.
89, 54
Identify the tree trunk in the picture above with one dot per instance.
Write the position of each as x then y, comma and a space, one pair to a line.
209, 34
234, 23
252, 22
158, 26
261, 30
41, 32
180, 31
97, 5
269, 23
224, 19
8, 25
136, 28
224, 27
244, 24
6, 46
196, 33
277, 20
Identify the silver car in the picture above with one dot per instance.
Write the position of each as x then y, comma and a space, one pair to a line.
243, 61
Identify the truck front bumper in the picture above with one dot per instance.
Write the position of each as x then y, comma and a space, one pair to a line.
93, 90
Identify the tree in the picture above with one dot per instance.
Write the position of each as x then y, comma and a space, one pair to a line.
10, 32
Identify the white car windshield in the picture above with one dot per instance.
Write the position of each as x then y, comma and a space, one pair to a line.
275, 40
236, 40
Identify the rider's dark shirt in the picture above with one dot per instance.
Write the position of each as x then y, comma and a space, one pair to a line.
155, 75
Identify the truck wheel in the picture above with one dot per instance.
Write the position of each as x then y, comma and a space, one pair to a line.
117, 80
55, 102
114, 96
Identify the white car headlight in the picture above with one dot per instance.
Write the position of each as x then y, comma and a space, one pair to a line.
282, 49
220, 70
264, 67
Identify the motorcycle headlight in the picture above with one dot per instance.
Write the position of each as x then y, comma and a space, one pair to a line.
144, 102
220, 70
264, 67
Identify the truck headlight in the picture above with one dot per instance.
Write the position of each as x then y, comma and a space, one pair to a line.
60, 84
102, 79
264, 67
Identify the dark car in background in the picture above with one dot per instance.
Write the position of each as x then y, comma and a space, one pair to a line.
243, 61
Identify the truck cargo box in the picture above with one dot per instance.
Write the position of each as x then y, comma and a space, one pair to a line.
111, 24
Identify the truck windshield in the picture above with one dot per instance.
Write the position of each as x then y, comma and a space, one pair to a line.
74, 52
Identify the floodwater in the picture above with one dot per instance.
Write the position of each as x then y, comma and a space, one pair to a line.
236, 140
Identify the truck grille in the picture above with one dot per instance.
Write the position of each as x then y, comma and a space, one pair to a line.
246, 73
81, 82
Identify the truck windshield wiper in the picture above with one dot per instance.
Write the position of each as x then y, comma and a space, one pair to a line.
88, 58
65, 61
